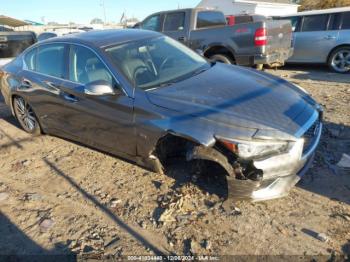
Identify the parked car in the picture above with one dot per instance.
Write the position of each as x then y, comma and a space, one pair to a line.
147, 98
322, 37
253, 43
12, 43
46, 35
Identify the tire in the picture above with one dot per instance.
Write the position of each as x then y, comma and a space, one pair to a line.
26, 116
222, 59
339, 60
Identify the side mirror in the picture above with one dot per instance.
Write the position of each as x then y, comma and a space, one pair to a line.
98, 88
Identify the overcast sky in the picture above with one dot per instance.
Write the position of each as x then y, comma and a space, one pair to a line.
83, 11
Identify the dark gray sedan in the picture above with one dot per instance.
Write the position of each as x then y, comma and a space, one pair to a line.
147, 98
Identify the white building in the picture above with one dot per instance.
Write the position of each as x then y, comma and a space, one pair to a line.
262, 7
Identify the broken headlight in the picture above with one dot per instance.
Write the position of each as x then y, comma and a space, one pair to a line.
256, 148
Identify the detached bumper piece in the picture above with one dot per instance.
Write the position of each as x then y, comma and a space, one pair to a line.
265, 190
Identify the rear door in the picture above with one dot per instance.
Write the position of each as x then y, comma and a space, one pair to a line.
42, 77
175, 25
344, 26
315, 39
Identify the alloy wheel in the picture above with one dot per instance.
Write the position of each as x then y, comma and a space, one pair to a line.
25, 115
341, 61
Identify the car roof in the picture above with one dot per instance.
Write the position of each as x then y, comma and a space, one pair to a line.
197, 9
104, 38
319, 12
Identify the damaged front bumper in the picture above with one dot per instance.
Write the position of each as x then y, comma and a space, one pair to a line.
280, 172
267, 189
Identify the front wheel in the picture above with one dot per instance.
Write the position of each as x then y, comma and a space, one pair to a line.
25, 116
222, 59
339, 60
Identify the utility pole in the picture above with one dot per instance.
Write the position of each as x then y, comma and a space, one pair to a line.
102, 4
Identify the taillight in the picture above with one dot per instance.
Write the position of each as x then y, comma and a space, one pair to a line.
260, 37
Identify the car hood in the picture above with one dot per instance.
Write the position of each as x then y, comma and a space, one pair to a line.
237, 96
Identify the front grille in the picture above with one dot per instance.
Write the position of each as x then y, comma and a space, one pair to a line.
310, 136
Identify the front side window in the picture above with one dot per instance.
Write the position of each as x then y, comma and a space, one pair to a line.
346, 21
210, 18
152, 23
86, 67
50, 60
315, 23
174, 22
155, 62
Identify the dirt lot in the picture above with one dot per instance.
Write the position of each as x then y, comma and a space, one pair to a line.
57, 197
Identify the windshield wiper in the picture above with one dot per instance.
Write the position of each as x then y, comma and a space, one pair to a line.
160, 85
199, 71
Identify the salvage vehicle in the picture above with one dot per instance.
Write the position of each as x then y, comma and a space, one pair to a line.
12, 43
322, 37
145, 97
206, 31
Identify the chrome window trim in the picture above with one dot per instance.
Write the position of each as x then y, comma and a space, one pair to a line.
315, 144
25, 67
307, 125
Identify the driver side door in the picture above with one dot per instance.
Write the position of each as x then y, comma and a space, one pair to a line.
101, 121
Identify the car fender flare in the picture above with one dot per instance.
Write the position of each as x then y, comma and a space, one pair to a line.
210, 47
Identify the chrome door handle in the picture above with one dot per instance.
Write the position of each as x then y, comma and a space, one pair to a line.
329, 37
26, 84
70, 98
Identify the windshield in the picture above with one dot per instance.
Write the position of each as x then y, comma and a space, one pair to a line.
155, 62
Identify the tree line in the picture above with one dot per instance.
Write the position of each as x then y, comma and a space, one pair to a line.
322, 4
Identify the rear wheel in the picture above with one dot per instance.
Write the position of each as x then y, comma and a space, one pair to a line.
222, 59
339, 60
25, 116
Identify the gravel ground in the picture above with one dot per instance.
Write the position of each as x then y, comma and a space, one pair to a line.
57, 197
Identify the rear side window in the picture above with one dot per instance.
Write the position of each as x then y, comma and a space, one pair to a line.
174, 22
152, 23
315, 23
29, 60
346, 21
210, 18
243, 19
50, 60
